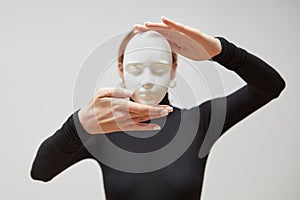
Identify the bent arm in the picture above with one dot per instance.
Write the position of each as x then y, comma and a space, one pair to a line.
263, 83
59, 151
259, 76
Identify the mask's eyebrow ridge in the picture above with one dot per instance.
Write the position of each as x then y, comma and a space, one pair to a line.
161, 63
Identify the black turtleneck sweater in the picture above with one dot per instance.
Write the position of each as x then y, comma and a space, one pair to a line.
182, 178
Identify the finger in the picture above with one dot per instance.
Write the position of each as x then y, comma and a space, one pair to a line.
141, 126
140, 28
177, 26
143, 118
139, 118
164, 106
142, 109
166, 32
131, 116
122, 122
152, 26
155, 25
114, 92
159, 27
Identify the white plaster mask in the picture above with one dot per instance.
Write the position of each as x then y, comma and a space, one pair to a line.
147, 67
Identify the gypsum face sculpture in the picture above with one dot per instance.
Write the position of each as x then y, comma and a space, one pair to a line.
147, 67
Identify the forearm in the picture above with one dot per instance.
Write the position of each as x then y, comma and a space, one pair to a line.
56, 152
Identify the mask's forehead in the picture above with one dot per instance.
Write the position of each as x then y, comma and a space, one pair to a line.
148, 46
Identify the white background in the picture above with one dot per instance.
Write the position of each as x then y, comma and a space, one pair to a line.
43, 46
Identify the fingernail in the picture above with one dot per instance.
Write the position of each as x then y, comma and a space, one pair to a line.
164, 112
170, 109
128, 92
156, 128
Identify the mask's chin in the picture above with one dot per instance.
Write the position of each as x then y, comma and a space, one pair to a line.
149, 97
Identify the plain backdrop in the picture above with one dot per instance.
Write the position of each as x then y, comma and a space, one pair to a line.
45, 43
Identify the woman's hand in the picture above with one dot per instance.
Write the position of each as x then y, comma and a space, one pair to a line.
108, 112
184, 40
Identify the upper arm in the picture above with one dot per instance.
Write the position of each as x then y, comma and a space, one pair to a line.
224, 112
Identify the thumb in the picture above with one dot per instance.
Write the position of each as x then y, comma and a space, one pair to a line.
114, 92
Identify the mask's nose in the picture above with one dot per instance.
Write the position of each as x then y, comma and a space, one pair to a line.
147, 85
147, 81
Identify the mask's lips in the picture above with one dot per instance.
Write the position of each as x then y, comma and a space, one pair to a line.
148, 96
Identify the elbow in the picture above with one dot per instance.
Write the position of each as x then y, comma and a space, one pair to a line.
37, 175
279, 88
272, 90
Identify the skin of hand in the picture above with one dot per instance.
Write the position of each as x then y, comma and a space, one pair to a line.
184, 40
108, 112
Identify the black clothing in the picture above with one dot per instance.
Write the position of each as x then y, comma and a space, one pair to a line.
183, 178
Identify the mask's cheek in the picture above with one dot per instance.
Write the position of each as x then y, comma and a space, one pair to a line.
163, 80
131, 82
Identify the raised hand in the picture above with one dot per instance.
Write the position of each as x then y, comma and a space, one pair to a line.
186, 41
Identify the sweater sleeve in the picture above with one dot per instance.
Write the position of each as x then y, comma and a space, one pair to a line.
263, 85
61, 150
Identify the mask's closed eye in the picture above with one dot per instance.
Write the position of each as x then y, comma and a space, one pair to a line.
160, 69
135, 69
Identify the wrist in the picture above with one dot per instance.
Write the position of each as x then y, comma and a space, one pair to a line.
79, 121
217, 47
231, 56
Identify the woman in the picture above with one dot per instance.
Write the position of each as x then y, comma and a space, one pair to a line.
109, 112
